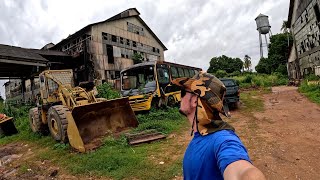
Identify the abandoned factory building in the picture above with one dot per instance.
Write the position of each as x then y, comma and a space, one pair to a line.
99, 51
104, 48
304, 24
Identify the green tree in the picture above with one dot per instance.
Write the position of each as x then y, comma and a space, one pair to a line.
247, 62
221, 73
225, 63
277, 56
263, 66
137, 58
284, 27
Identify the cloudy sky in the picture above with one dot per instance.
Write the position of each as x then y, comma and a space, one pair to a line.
194, 31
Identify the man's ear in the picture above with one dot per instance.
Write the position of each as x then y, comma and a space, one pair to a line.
194, 101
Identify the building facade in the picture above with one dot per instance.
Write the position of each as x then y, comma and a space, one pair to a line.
304, 24
105, 48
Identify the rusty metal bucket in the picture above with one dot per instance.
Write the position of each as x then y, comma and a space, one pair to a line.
7, 127
88, 124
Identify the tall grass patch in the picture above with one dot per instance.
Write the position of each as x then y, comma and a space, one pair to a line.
115, 158
163, 120
251, 101
312, 91
118, 160
260, 80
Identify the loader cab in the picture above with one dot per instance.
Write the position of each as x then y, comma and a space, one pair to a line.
51, 81
43, 89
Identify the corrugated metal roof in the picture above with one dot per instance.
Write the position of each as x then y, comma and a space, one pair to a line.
10, 52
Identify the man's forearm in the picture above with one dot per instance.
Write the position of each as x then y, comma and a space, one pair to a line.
251, 173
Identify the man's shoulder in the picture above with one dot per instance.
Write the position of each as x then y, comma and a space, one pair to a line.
224, 134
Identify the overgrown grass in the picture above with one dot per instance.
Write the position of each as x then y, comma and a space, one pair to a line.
311, 91
165, 121
260, 80
118, 160
21, 121
252, 102
115, 159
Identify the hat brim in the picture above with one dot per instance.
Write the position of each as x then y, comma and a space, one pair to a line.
183, 82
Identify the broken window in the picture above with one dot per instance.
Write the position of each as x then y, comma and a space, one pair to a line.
306, 16
158, 51
110, 54
105, 36
135, 29
134, 44
114, 38
121, 40
317, 12
128, 42
112, 74
153, 49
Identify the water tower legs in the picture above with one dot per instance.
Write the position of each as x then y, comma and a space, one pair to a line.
261, 48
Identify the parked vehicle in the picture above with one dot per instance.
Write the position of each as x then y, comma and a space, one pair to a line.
148, 84
232, 95
74, 114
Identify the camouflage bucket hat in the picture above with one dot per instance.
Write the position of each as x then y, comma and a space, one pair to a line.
208, 87
210, 91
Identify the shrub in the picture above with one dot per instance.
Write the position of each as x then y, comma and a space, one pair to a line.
220, 73
248, 78
164, 121
312, 77
261, 80
106, 90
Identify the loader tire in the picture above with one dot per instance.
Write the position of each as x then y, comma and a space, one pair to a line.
58, 123
36, 124
171, 101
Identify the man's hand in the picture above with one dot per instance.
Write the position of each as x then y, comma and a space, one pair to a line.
242, 170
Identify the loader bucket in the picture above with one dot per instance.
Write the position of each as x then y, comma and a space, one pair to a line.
7, 127
94, 121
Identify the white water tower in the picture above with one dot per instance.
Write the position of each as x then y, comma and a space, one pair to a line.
264, 28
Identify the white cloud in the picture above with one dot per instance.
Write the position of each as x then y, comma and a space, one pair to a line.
194, 31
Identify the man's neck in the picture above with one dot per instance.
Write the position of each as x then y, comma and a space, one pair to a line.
191, 118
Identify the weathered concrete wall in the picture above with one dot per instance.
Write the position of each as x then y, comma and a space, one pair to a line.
145, 43
306, 31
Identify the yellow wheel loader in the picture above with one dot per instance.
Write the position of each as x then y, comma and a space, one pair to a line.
74, 115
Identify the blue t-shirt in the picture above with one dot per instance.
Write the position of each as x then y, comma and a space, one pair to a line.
208, 156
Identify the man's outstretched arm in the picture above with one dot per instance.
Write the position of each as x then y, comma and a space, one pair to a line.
242, 170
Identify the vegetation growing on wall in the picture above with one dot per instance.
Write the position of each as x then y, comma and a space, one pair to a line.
137, 58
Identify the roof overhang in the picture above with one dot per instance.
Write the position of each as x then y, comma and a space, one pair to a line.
290, 13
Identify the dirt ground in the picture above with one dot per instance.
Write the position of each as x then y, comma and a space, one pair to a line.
283, 141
